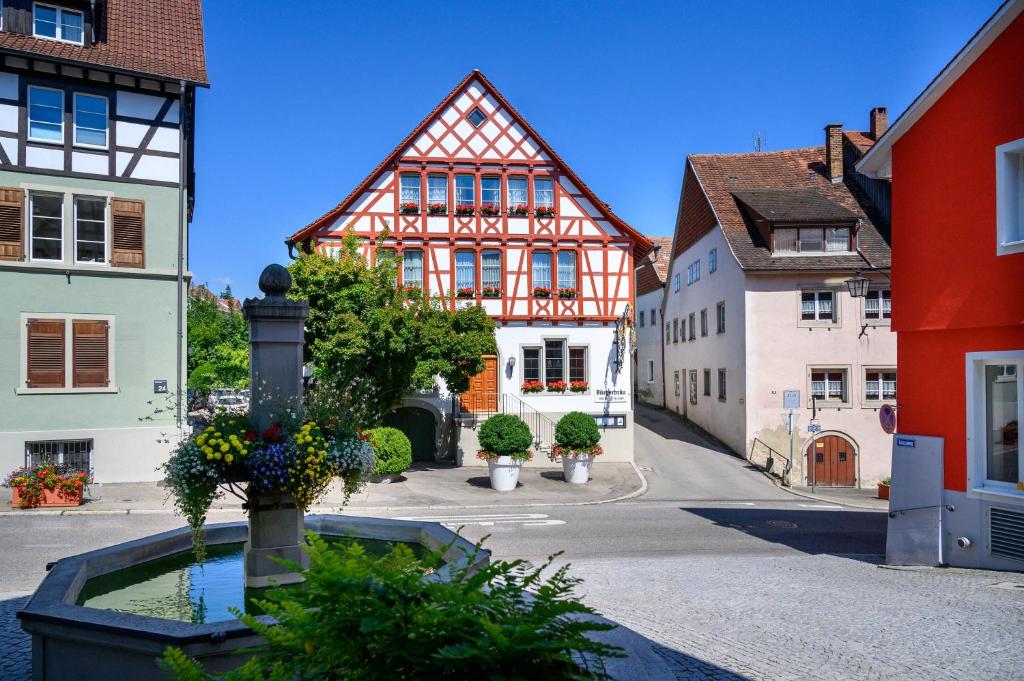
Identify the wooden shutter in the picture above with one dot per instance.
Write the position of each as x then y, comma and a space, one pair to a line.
90, 359
45, 353
12, 224
128, 222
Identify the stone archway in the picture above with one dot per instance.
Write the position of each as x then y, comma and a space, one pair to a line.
425, 424
832, 460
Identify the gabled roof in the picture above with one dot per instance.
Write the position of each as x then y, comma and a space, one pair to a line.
875, 163
795, 205
800, 173
640, 243
162, 38
652, 270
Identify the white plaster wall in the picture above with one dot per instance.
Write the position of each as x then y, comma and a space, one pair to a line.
780, 353
725, 420
649, 339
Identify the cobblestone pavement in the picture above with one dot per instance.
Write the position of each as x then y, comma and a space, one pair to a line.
815, 617
15, 646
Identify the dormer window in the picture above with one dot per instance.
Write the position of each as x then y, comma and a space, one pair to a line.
58, 23
790, 241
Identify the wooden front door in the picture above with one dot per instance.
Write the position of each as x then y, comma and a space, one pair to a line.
482, 395
831, 462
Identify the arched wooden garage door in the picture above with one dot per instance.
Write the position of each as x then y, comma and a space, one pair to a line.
419, 427
831, 462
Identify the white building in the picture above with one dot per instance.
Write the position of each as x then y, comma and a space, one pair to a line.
481, 211
648, 375
756, 304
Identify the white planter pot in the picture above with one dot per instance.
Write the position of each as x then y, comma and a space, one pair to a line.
577, 469
504, 472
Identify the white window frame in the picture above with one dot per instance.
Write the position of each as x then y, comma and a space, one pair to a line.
678, 388
405, 267
720, 317
586, 363
460, 191
692, 386
69, 367
704, 322
977, 454
1010, 198
540, 363
692, 321
835, 321
828, 403
483, 270
640, 319
542, 369
63, 226
723, 383
677, 282
458, 284
444, 187
402, 188
106, 230
868, 403
538, 202
650, 371
693, 273
712, 261
28, 116
551, 273
881, 321
60, 13
511, 198
75, 126
492, 192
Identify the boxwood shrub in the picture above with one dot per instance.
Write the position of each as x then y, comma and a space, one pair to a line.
577, 432
505, 435
391, 449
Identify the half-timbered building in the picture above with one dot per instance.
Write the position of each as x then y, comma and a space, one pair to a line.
96, 186
481, 211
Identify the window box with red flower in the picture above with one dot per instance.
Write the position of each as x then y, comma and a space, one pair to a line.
47, 485
437, 208
413, 291
409, 208
579, 386
567, 293
541, 292
465, 210
492, 292
529, 387
520, 210
544, 211
466, 293
557, 386
490, 209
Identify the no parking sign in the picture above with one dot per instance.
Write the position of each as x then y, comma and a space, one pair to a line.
887, 417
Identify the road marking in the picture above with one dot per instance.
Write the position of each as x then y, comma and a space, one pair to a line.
738, 503
47, 546
818, 506
490, 520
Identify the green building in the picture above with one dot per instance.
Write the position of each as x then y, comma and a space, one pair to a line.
97, 106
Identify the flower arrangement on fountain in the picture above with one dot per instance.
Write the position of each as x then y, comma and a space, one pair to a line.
293, 457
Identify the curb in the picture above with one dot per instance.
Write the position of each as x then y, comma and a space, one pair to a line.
641, 490
825, 500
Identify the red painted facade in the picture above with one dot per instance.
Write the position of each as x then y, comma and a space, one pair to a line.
952, 294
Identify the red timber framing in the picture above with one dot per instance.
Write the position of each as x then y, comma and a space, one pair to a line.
501, 147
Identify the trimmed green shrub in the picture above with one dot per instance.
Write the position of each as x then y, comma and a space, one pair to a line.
378, 618
505, 435
391, 449
577, 431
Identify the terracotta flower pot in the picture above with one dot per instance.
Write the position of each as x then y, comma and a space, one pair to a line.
50, 498
883, 491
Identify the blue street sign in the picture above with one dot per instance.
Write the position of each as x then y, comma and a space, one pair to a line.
887, 417
906, 442
814, 429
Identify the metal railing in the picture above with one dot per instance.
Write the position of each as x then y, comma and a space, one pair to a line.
769, 462
541, 427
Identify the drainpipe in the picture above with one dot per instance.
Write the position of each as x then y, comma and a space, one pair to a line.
181, 253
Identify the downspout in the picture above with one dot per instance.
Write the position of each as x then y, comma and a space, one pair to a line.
181, 252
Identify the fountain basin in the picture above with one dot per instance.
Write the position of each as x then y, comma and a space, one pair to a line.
80, 642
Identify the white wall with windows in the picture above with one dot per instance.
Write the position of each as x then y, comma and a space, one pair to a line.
648, 378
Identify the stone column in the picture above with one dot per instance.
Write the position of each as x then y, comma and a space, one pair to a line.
276, 339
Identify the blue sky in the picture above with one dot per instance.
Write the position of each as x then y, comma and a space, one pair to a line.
307, 97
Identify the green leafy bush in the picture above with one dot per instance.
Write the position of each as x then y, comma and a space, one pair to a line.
389, 617
577, 431
392, 450
505, 435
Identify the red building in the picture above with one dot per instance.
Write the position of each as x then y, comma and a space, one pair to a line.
956, 162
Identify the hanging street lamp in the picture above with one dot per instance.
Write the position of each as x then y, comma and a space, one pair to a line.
858, 285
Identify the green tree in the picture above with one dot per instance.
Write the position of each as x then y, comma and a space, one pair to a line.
373, 341
218, 347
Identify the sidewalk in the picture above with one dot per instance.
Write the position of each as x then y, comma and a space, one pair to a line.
425, 486
866, 497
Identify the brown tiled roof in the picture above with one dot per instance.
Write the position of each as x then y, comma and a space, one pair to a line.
862, 140
653, 268
794, 205
162, 38
722, 175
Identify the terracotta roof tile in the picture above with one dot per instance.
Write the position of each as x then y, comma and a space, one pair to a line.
162, 38
862, 140
653, 268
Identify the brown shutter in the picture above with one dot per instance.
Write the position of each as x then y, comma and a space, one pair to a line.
12, 224
90, 354
46, 353
128, 220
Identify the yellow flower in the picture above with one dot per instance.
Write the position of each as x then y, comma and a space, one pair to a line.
310, 450
217, 434
209, 456
216, 455
201, 440
229, 458
225, 447
244, 451
208, 449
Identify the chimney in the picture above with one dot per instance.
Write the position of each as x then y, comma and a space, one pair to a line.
834, 152
879, 122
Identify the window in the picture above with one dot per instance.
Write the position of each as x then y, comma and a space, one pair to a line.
465, 270
554, 360
693, 326
490, 193
543, 192
57, 23
1003, 411
675, 330
879, 385
650, 371
476, 117
46, 215
707, 382
518, 198
704, 322
812, 240
465, 191
693, 386
676, 282
45, 114
720, 317
65, 352
829, 385
91, 121
713, 260
490, 269
668, 333
541, 269
654, 316
577, 364
675, 375
74, 453
1010, 197
412, 267
437, 191
90, 229
721, 385
567, 269
878, 305
818, 306
531, 364
693, 273
641, 319
410, 194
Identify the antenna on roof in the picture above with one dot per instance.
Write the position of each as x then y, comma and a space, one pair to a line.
758, 141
